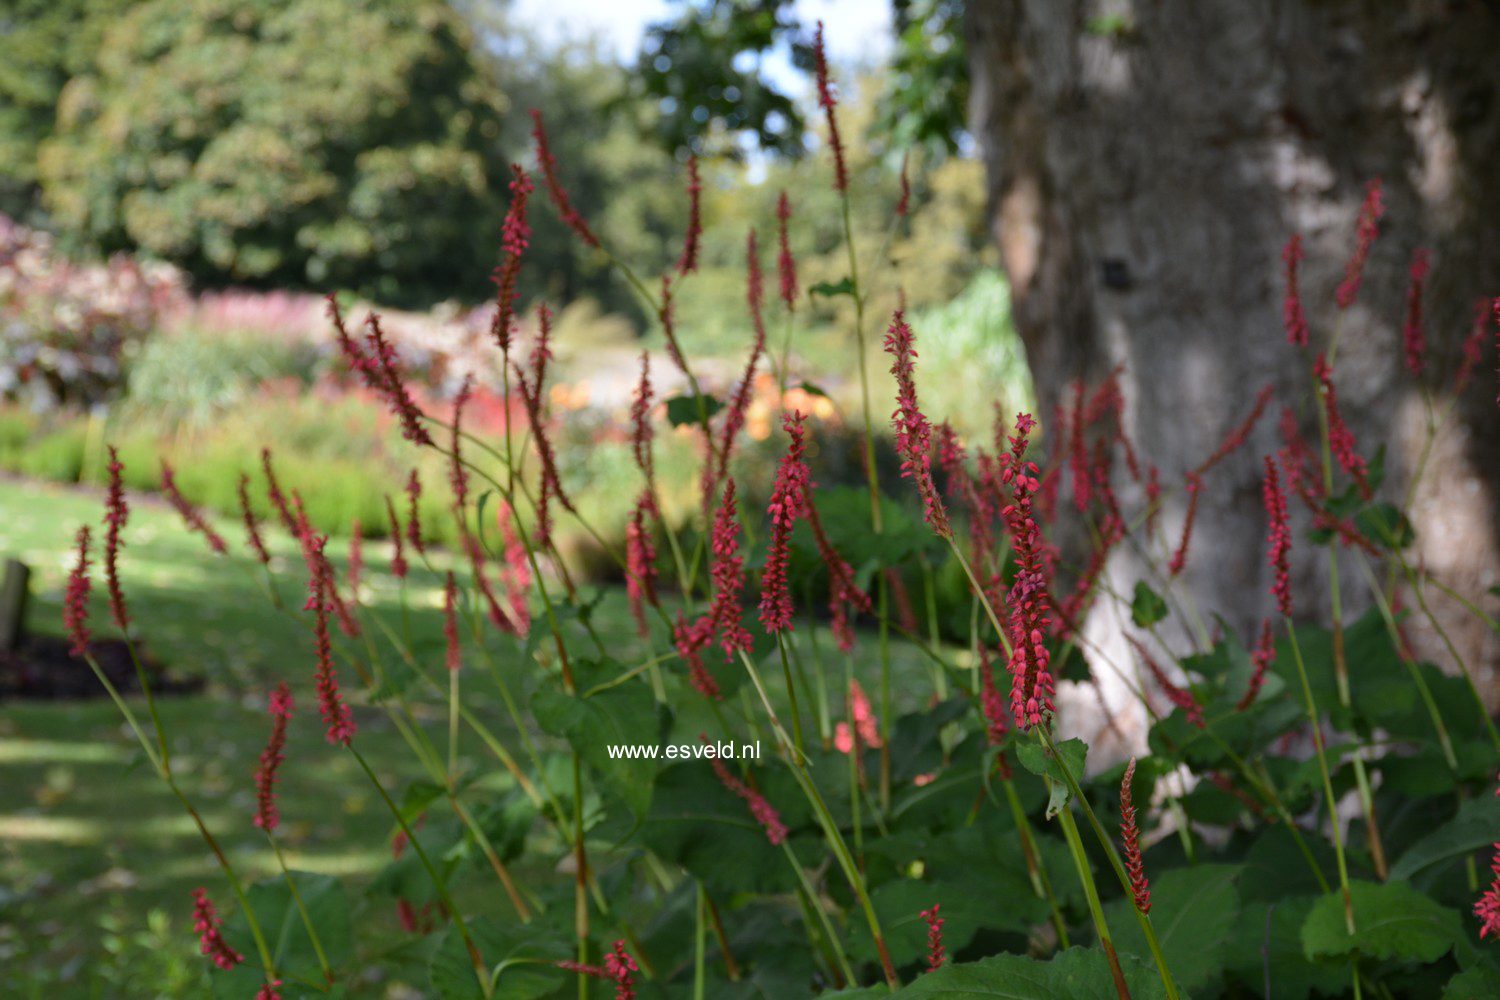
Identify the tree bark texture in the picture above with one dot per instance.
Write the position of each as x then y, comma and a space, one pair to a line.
1147, 162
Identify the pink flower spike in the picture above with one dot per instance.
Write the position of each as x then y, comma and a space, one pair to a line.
935, 951
913, 432
450, 622
413, 517
252, 526
619, 965
1029, 603
210, 942
1179, 558
688, 262
398, 557
786, 264
1278, 537
336, 714
1265, 652
269, 991
762, 810
828, 103
787, 499
115, 513
189, 513
278, 499
1364, 238
640, 563
728, 574
1140, 887
863, 716
559, 194
280, 707
392, 383
1340, 437
76, 603
515, 236
1413, 342
1292, 315
640, 421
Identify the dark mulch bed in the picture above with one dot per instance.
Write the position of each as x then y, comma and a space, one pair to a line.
42, 668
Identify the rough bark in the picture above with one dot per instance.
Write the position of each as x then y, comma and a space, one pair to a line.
1145, 171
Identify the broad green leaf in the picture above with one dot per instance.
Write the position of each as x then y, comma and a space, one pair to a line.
1147, 607
1040, 762
810, 389
1267, 939
1475, 828
1075, 974
618, 716
685, 409
829, 289
1386, 526
1474, 984
1391, 920
899, 905
1193, 911
520, 960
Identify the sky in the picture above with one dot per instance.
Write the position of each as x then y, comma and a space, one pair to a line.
856, 30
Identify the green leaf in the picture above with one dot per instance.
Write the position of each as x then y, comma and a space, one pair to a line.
1040, 762
685, 409
521, 961
1473, 829
824, 288
899, 905
1075, 974
1148, 607
622, 715
1391, 920
1473, 984
1386, 526
1268, 936
1193, 911
810, 389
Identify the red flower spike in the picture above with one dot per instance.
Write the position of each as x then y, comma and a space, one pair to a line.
1413, 342
640, 563
786, 264
115, 513
828, 103
336, 714
1179, 558
278, 499
992, 703
458, 475
913, 432
619, 965
252, 526
1236, 438
413, 517
450, 622
531, 395
1473, 347
690, 640
210, 941
398, 558
320, 572
392, 384
640, 422
559, 194
688, 262
76, 603
280, 707
515, 237
269, 991
1028, 601
1364, 238
475, 552
189, 513
1140, 887
1176, 694
1265, 652
762, 810
729, 577
787, 501
1340, 437
843, 592
935, 951
1278, 537
1292, 315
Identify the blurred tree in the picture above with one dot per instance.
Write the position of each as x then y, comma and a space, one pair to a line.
43, 43
271, 142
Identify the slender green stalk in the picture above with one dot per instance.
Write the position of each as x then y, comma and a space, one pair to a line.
828, 932
700, 943
307, 920
1096, 911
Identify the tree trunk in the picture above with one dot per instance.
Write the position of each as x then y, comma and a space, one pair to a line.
1148, 161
